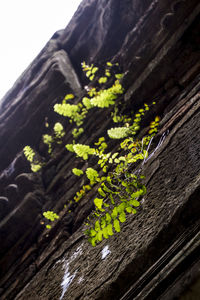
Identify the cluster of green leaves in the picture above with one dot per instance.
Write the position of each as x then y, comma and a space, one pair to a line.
51, 216
76, 113
96, 97
90, 70
58, 134
120, 189
30, 155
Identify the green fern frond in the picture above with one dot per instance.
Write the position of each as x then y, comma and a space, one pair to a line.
83, 150
66, 110
29, 153
92, 175
104, 99
118, 132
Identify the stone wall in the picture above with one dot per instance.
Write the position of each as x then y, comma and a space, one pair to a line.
157, 252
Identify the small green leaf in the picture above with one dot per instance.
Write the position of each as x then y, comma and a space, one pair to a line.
129, 209
119, 76
122, 158
135, 203
114, 213
92, 232
69, 96
106, 189
102, 80
135, 194
100, 235
92, 241
97, 226
88, 73
105, 169
91, 77
116, 225
107, 73
109, 64
77, 172
111, 199
103, 222
94, 70
110, 229
121, 207
122, 217
144, 189
98, 203
101, 192
115, 155
105, 232
108, 218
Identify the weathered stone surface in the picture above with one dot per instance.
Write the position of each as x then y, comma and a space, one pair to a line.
157, 45
163, 217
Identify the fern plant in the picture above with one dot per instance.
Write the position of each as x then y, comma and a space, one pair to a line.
119, 190
117, 175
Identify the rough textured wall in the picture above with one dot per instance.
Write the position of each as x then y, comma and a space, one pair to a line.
157, 252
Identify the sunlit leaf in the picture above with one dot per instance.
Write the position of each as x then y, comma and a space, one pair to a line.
114, 213
98, 203
122, 217
135, 203
105, 232
110, 229
97, 225
108, 218
116, 225
77, 172
100, 235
